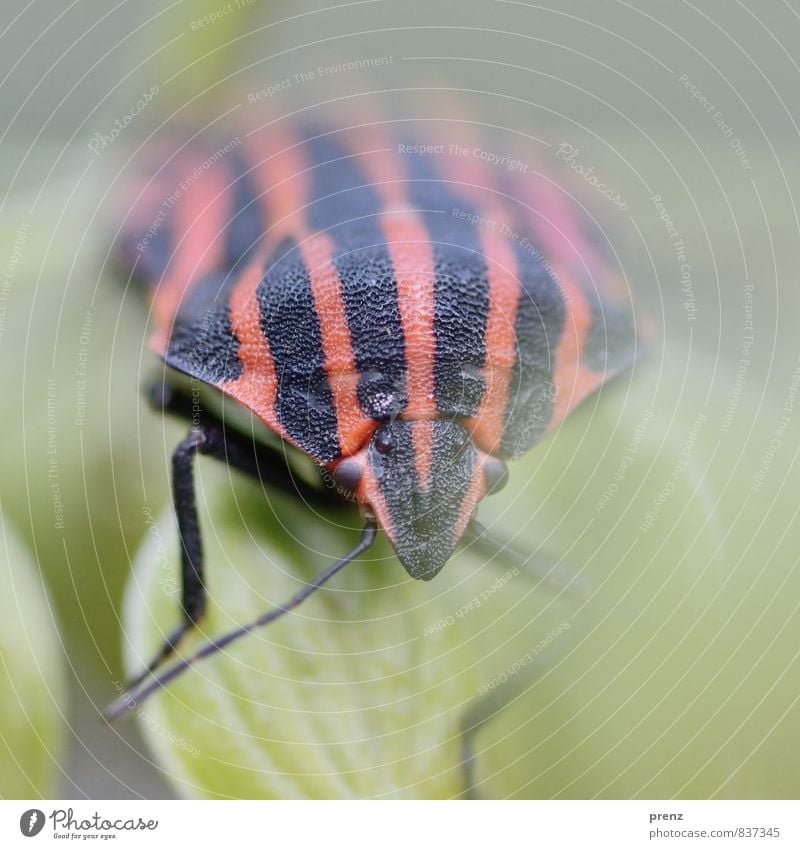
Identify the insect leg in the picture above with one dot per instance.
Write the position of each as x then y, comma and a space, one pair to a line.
479, 713
212, 438
137, 694
505, 689
265, 463
543, 565
193, 591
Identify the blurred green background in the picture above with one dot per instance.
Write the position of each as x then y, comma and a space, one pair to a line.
680, 675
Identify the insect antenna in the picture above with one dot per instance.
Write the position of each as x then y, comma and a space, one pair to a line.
129, 700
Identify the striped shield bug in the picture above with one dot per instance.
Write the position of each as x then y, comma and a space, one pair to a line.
408, 316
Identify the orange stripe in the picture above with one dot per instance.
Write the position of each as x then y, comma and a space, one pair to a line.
412, 258
354, 427
594, 270
257, 386
379, 159
473, 179
411, 252
471, 498
501, 342
279, 173
151, 183
552, 226
574, 245
201, 214
572, 382
284, 180
369, 492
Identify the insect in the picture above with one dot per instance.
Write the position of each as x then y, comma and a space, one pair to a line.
409, 319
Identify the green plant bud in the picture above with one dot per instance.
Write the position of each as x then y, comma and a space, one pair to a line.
32, 687
639, 678
676, 502
358, 693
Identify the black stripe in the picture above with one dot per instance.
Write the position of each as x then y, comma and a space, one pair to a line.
289, 321
539, 324
340, 192
396, 472
145, 250
347, 208
146, 255
423, 520
611, 338
461, 290
202, 342
246, 224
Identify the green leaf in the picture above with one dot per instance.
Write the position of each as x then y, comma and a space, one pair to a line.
359, 693
32, 687
671, 679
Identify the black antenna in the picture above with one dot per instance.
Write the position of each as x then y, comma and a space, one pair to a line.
129, 700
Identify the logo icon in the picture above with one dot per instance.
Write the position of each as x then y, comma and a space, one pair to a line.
31, 822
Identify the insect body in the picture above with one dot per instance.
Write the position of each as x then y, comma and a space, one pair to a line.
408, 319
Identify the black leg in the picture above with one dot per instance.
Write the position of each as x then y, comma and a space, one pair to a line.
204, 439
488, 705
265, 463
211, 437
504, 690
544, 566
136, 695
483, 709
478, 714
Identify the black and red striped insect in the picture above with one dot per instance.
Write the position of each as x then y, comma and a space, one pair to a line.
408, 316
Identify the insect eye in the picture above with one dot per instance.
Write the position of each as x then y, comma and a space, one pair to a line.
383, 444
348, 474
495, 475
